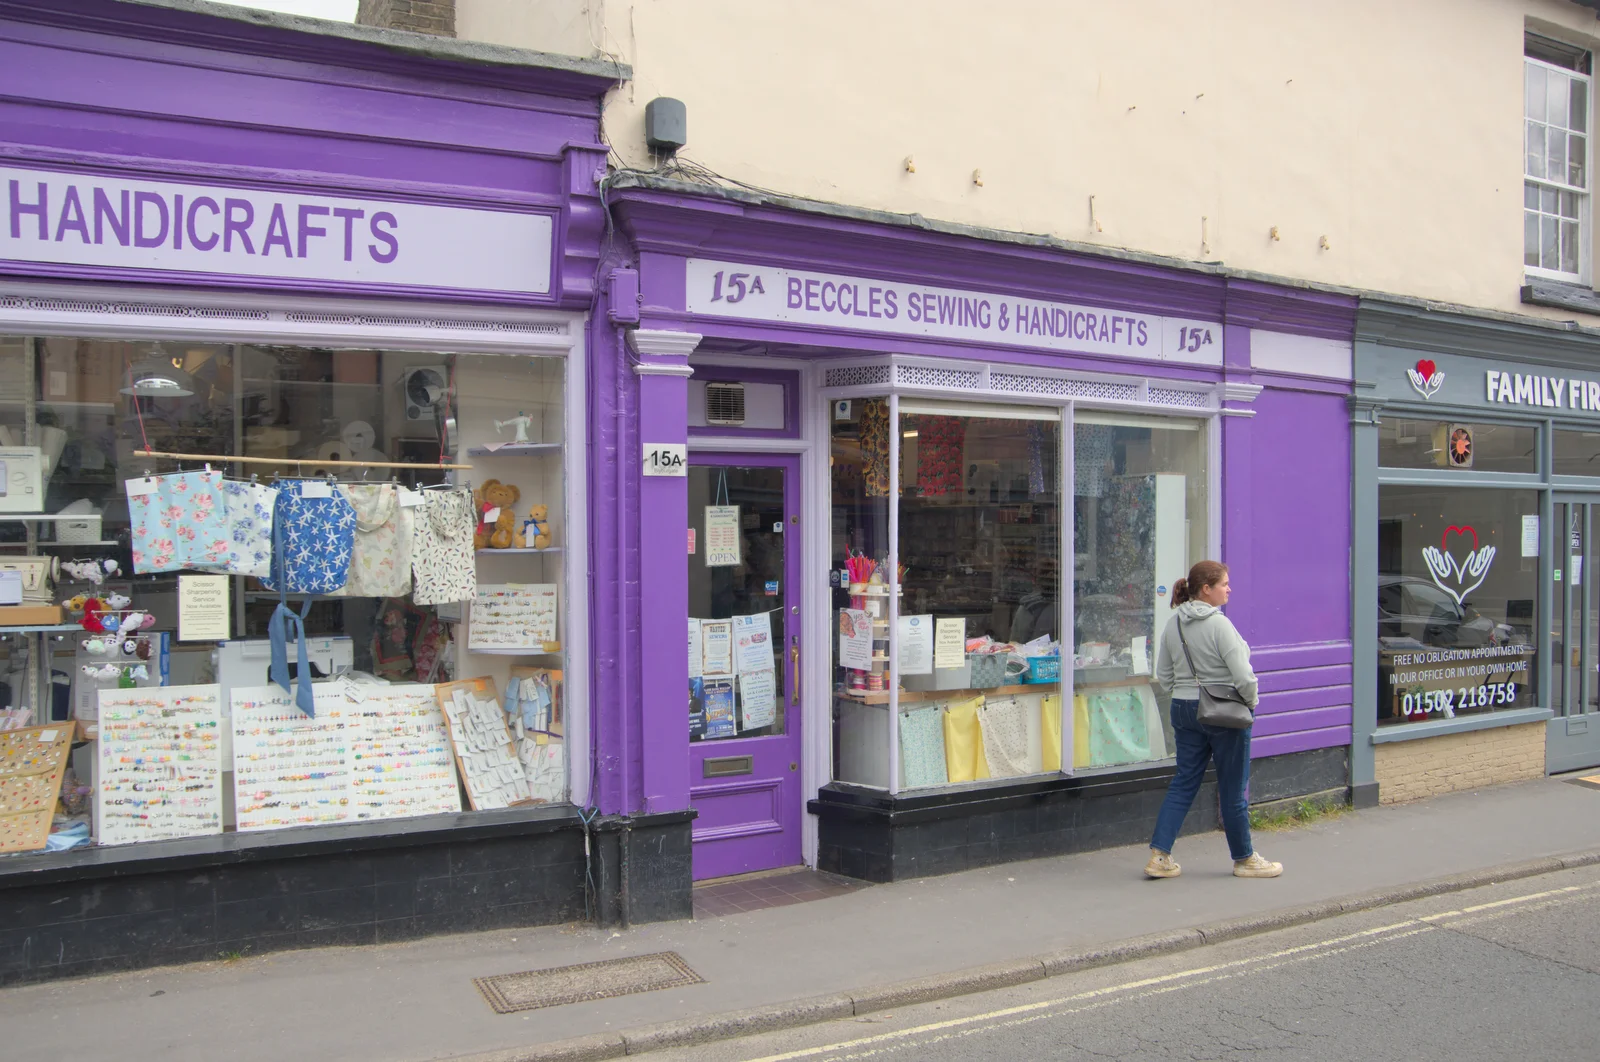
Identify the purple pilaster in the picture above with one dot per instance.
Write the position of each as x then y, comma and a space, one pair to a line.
662, 587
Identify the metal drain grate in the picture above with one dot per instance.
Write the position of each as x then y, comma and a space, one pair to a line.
509, 993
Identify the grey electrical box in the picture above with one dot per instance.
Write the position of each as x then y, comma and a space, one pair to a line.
666, 124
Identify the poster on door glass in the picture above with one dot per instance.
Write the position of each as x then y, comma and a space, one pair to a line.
724, 538
1457, 597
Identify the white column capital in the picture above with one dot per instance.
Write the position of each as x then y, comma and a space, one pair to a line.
663, 342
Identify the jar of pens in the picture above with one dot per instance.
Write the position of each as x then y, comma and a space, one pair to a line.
869, 596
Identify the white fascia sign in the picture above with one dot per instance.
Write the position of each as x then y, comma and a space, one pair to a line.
81, 219
780, 294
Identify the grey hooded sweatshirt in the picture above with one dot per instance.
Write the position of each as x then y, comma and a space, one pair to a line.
1221, 656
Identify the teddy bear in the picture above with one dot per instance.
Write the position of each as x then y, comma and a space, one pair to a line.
535, 530
499, 533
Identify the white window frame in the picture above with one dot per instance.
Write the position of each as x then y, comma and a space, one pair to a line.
1585, 195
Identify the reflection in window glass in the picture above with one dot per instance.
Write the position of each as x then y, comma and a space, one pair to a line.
859, 466
1140, 517
1457, 596
1404, 442
94, 402
1577, 453
980, 544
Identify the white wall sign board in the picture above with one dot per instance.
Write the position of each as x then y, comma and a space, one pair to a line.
294, 770
91, 220
827, 300
159, 768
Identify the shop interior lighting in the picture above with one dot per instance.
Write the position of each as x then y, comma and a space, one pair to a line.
159, 375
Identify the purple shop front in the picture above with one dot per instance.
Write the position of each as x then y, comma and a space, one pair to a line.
920, 497
283, 249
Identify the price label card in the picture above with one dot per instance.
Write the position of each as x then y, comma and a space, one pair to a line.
316, 488
410, 499
138, 488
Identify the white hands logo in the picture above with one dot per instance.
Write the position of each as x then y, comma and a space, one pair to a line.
1465, 575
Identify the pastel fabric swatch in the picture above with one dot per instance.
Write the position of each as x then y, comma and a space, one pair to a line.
380, 564
963, 742
181, 524
441, 548
317, 537
1118, 727
250, 512
1050, 733
1005, 736
922, 760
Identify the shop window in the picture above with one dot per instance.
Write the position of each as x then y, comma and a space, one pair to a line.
1406, 442
1577, 453
970, 627
1458, 585
1140, 518
447, 619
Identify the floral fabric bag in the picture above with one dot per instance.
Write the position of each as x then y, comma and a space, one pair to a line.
182, 523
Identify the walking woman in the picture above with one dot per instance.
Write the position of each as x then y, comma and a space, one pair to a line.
1220, 657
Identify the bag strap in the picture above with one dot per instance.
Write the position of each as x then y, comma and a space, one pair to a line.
1185, 643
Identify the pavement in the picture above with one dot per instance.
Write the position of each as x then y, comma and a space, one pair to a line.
868, 950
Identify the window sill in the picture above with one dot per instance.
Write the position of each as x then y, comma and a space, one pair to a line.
1461, 725
1560, 294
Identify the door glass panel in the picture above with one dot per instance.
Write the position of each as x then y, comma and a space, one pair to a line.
738, 678
1573, 569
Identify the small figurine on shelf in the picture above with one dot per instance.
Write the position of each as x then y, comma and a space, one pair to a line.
520, 422
536, 528
497, 521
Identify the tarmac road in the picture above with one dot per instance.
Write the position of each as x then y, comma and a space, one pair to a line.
1507, 971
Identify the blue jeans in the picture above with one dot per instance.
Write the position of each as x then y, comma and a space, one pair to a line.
1196, 745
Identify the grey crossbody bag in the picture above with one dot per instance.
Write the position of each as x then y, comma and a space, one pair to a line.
1220, 705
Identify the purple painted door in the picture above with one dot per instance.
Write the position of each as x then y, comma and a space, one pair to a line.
744, 697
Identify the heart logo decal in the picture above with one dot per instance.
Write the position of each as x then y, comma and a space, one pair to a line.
1458, 577
1426, 379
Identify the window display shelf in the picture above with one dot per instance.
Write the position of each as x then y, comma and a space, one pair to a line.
517, 652
517, 549
52, 628
915, 696
102, 543
514, 448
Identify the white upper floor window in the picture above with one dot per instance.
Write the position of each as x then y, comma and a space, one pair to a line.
1555, 191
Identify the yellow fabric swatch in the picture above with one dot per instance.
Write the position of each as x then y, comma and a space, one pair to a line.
1050, 732
963, 742
1080, 730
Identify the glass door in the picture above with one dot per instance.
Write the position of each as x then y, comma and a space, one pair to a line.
1574, 734
744, 662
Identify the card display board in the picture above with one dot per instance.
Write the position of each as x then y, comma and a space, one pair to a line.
159, 764
403, 764
485, 750
290, 769
513, 616
32, 762
371, 752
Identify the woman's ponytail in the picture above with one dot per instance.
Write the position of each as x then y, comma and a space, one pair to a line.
1205, 573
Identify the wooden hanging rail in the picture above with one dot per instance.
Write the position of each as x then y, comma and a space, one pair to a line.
221, 458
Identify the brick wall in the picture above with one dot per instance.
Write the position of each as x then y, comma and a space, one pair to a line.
437, 17
1410, 770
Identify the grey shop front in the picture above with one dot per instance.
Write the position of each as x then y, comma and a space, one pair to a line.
1477, 535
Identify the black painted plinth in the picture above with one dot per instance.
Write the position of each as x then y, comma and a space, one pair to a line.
96, 910
867, 834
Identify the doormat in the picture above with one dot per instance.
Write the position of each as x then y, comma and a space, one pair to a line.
1589, 781
509, 993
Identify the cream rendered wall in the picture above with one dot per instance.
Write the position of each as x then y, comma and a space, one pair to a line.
1391, 127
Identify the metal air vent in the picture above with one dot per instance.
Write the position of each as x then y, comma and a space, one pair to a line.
725, 404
